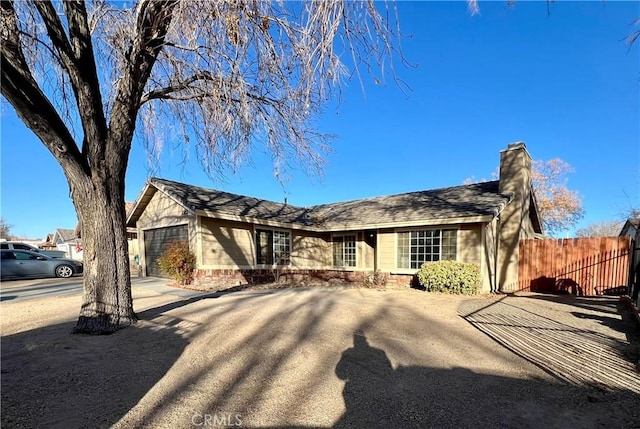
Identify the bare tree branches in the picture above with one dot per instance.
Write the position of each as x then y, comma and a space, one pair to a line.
32, 106
223, 76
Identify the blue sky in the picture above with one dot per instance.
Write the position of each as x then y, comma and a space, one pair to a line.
566, 83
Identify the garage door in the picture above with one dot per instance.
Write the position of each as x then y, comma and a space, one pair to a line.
154, 242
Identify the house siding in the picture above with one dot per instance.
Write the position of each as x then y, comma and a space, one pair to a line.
311, 250
469, 243
226, 244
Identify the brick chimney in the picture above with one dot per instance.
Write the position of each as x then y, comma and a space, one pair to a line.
514, 222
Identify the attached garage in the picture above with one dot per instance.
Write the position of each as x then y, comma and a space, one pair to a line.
154, 242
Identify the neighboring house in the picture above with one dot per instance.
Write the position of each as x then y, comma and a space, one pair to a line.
48, 243
69, 242
239, 239
631, 228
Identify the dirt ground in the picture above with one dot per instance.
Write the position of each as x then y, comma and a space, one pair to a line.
324, 357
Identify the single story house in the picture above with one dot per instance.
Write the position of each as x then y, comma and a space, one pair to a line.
65, 240
239, 239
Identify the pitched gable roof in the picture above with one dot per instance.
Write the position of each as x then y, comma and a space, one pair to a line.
66, 234
630, 226
458, 203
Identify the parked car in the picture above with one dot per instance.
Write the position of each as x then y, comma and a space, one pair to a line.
27, 264
17, 245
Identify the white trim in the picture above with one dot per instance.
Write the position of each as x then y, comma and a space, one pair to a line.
255, 242
398, 231
141, 200
355, 242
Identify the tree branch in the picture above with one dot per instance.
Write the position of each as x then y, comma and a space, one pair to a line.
31, 105
85, 82
152, 22
166, 92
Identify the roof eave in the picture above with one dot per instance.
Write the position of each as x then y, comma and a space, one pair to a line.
345, 226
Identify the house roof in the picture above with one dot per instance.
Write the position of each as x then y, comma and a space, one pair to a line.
465, 203
66, 234
632, 224
457, 202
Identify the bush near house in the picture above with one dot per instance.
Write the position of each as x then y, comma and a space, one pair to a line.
374, 279
178, 262
450, 277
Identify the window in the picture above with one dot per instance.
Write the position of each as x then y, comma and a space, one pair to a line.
430, 245
24, 247
23, 256
344, 251
273, 247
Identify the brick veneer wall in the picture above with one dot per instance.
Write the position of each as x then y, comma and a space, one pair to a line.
217, 279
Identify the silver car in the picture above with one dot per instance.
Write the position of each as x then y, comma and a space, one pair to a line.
24, 263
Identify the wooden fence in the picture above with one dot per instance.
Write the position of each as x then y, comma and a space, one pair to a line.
582, 266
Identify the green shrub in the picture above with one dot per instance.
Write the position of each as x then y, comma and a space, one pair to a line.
178, 262
450, 277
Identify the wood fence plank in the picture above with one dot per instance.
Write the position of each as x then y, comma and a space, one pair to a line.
589, 265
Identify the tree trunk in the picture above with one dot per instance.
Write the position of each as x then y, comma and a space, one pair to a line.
107, 303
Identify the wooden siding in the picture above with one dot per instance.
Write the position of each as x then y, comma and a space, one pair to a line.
162, 211
226, 244
583, 266
310, 250
470, 243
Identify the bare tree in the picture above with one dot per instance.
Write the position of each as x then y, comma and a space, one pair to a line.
605, 228
560, 208
5, 229
222, 76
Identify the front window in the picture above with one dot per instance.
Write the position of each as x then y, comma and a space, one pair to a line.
344, 251
417, 247
273, 247
24, 256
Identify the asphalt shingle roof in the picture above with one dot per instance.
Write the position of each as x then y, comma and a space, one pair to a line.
478, 199
67, 234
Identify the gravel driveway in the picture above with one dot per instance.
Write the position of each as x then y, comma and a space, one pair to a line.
324, 357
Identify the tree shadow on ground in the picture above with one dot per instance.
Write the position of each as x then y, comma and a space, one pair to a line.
189, 359
379, 396
53, 379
